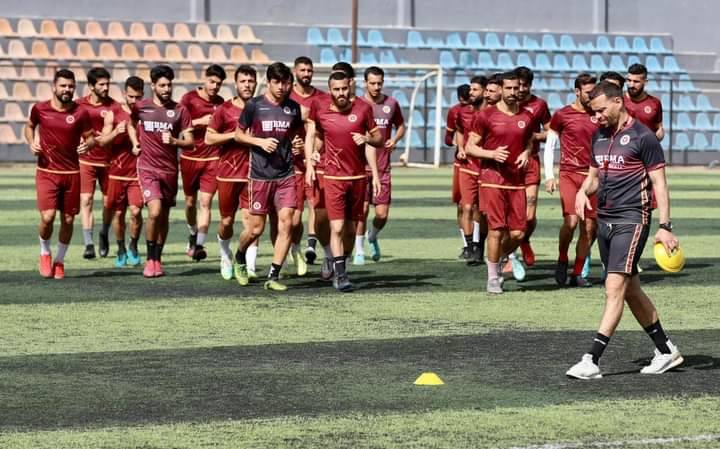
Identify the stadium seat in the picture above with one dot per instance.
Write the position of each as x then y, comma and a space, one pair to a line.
61, 50
25, 28
8, 72
48, 28
617, 64
512, 42
138, 31
683, 122
259, 57
116, 31
554, 101
542, 62
505, 61
652, 64
670, 64
401, 98
216, 54
567, 43
360, 39
4, 92
540, 84
334, 37
16, 50
492, 41
523, 59
454, 41
71, 30
85, 52
682, 141
6, 29
246, 35
223, 33
387, 57
195, 53
472, 40
160, 32
13, 113
120, 73
700, 142
548, 43
93, 30
579, 64
415, 140
415, 39
187, 74
465, 59
327, 56
665, 100
447, 60
560, 63
431, 118
715, 145
179, 91
368, 58
702, 122
151, 52
376, 39
622, 45
129, 52
485, 61
238, 54
602, 44
530, 44
685, 103
639, 45
43, 90
418, 119
181, 32
657, 46
203, 33
115, 91
703, 103
570, 98
107, 51
684, 84
7, 135
314, 36
597, 64
633, 59
435, 42
558, 84
142, 71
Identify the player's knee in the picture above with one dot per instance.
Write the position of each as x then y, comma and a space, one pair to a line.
86, 202
47, 217
517, 235
571, 221
190, 202
68, 219
467, 208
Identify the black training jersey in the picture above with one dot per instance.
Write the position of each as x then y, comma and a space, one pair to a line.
623, 161
266, 119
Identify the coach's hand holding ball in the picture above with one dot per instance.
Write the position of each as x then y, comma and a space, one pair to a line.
668, 254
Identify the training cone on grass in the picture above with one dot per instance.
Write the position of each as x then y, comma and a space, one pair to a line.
429, 379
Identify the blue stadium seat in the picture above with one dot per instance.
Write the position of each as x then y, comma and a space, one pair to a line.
315, 37
548, 42
512, 42
435, 42
664, 85
683, 122
671, 65
540, 84
603, 44
685, 103
617, 64
554, 101
327, 56
597, 64
657, 46
431, 118
418, 119
401, 98
567, 43
682, 141
368, 58
461, 79
570, 98
703, 103
715, 145
579, 63
542, 62
633, 59
335, 37
716, 122
560, 63
684, 84
558, 84
700, 142
447, 60
376, 39
492, 41
485, 61
466, 60
523, 59
639, 45
453, 40
415, 39
387, 57
530, 44
472, 40
416, 142
652, 86
505, 62
621, 44
702, 122
652, 64
360, 39
665, 100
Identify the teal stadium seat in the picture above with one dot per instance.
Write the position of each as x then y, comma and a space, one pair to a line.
327, 56
512, 42
314, 36
567, 43
447, 60
435, 42
684, 84
530, 44
376, 39
597, 64
554, 101
602, 44
558, 84
683, 122
454, 40
653, 65
703, 103
621, 44
523, 59
465, 59
387, 57
685, 103
472, 40
682, 141
505, 61
335, 37
617, 64
702, 122
715, 145
671, 65
542, 62
485, 61
415, 39
368, 58
633, 59
492, 41
560, 63
657, 46
700, 142
418, 119
639, 45
579, 63
401, 98
548, 43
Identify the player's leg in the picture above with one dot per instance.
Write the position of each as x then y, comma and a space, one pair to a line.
455, 198
101, 174
119, 227
531, 197
310, 253
582, 252
115, 201
203, 207
468, 184
515, 208
191, 186
87, 192
135, 206
382, 212
70, 206
48, 201
297, 227
497, 228
337, 195
152, 235
228, 202
360, 231
255, 225
282, 246
567, 230
45, 231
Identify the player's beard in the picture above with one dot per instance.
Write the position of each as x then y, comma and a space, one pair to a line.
635, 92
305, 81
341, 102
64, 97
165, 97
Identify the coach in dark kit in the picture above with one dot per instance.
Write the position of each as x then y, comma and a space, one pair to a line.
627, 166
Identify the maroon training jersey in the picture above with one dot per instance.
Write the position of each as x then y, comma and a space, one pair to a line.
60, 134
234, 158
623, 161
199, 107
97, 155
152, 121
123, 164
464, 124
496, 129
648, 111
305, 101
387, 114
450, 127
576, 129
538, 109
343, 158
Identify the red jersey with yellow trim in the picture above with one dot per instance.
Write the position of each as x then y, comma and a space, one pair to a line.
98, 155
497, 129
60, 133
123, 164
576, 129
343, 157
234, 161
199, 107
463, 124
648, 111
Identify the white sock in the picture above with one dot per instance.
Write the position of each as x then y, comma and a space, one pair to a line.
328, 251
476, 231
225, 252
44, 247
192, 229
511, 256
360, 244
62, 249
201, 236
373, 233
251, 257
462, 237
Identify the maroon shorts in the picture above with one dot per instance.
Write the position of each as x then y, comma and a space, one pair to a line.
123, 193
231, 197
90, 175
532, 171
345, 198
505, 208
455, 198
157, 185
385, 197
570, 183
198, 175
56, 191
318, 191
272, 195
301, 192
469, 188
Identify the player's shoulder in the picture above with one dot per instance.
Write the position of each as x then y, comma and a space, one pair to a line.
654, 99
391, 101
641, 130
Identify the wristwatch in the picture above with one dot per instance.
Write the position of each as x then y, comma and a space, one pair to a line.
667, 226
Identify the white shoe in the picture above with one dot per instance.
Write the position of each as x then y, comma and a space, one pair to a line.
585, 369
494, 286
664, 362
226, 268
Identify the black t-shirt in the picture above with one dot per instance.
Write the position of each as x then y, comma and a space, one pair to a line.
266, 119
623, 161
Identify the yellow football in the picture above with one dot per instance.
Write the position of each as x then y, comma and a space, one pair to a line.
672, 263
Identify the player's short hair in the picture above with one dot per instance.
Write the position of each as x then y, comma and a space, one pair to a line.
495, 78
584, 79
374, 70
479, 79
508, 76
96, 74
463, 92
615, 76
524, 74
279, 72
161, 71
216, 70
344, 67
303, 60
607, 88
135, 83
338, 76
64, 73
638, 69
246, 70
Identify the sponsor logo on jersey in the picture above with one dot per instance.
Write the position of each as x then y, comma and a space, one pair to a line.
624, 140
521, 124
154, 126
275, 125
70, 119
147, 193
257, 205
287, 110
610, 160
170, 113
647, 109
386, 109
352, 118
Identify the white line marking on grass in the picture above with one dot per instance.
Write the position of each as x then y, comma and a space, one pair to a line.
622, 443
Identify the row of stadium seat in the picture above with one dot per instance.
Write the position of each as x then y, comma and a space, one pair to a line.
490, 41
129, 51
136, 31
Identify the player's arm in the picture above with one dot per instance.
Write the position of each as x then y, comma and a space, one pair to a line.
110, 132
660, 132
548, 160
473, 148
371, 157
244, 137
589, 186
29, 133
372, 137
392, 142
662, 195
201, 122
309, 151
213, 137
88, 136
183, 140
542, 135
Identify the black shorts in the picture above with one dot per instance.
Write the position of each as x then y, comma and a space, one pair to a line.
621, 246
